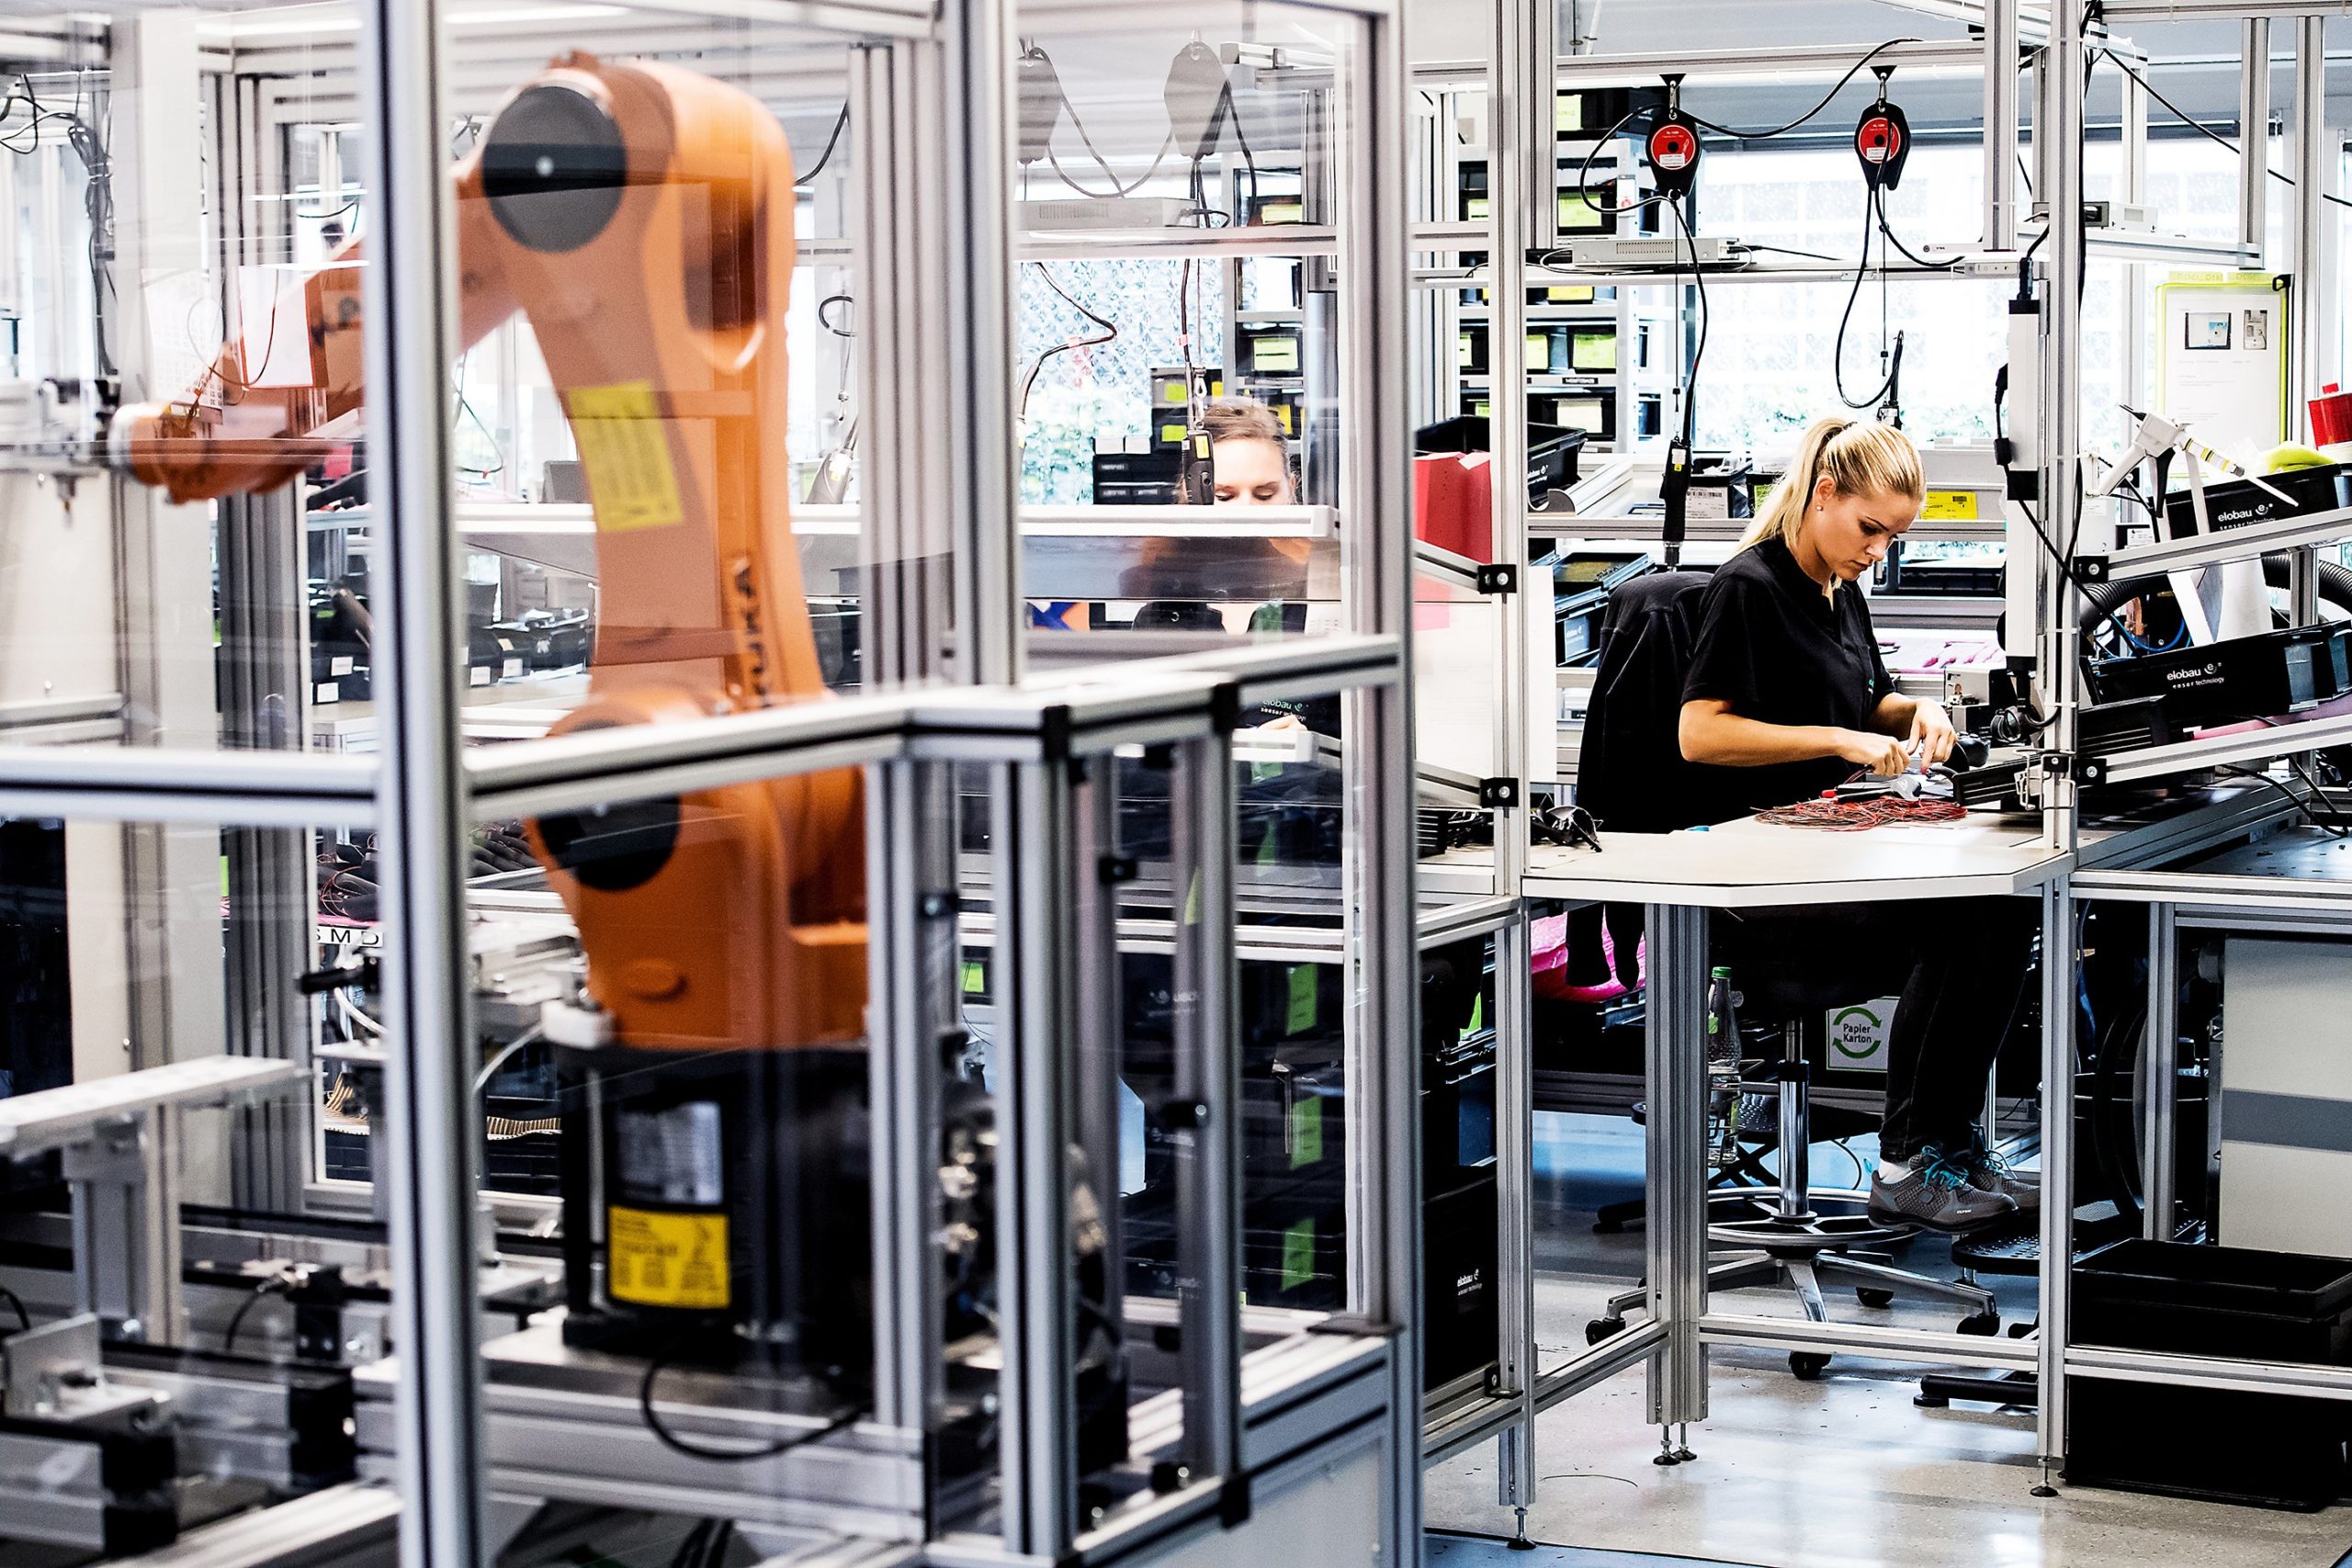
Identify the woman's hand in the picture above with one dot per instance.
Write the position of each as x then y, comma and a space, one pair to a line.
1882, 754
1931, 728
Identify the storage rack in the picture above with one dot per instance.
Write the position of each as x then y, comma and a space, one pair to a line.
2026, 72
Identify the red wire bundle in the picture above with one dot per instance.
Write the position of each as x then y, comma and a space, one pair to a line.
1856, 815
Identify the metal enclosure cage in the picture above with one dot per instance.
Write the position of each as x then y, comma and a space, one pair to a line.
623, 923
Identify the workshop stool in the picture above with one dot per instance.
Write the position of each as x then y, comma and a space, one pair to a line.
1792, 1240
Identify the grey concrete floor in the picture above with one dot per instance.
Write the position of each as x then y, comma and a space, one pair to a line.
1840, 1471
1846, 1472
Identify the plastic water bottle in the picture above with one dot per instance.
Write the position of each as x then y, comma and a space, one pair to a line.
1722, 1022
1723, 1071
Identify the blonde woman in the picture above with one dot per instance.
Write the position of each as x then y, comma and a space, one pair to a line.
1786, 697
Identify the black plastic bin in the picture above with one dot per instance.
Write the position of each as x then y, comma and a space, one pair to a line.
2236, 503
1551, 449
2272, 1451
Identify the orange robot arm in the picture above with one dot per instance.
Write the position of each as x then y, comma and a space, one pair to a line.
639, 216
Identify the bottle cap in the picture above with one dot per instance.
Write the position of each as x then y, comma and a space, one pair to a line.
1719, 973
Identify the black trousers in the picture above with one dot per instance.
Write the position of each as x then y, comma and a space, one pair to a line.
1960, 965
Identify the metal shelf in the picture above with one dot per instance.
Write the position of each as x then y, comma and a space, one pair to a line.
1175, 244
1599, 311
2230, 544
1556, 380
2177, 250
1784, 270
2214, 750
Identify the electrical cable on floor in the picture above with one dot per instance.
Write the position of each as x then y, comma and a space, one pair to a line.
1861, 1176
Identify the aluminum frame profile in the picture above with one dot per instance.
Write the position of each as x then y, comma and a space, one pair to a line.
911, 952
2002, 43
2254, 136
260, 789
410, 297
1515, 1477
2315, 304
1675, 1154
2159, 1123
1038, 1008
1372, 105
1208, 1075
2059, 963
2221, 10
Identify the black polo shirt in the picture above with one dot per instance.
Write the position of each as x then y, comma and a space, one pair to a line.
1778, 651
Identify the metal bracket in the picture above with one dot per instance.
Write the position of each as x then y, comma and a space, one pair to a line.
1498, 793
2090, 569
2089, 769
1498, 578
1112, 870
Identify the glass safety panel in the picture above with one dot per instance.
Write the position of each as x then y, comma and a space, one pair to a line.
181, 377
183, 1337
1178, 344
1590, 1153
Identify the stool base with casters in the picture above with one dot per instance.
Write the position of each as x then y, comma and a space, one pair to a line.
1794, 1243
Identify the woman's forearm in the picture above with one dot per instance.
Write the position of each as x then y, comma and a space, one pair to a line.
1726, 740
1893, 714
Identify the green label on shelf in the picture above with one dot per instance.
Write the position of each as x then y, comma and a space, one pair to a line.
976, 979
1301, 999
1306, 1131
1298, 1255
1478, 1014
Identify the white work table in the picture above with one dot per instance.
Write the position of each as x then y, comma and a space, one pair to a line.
1749, 864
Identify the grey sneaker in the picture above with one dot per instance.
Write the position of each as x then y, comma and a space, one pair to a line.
1937, 1194
1985, 1168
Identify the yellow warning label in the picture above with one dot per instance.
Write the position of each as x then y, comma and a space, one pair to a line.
1949, 506
666, 1260
625, 447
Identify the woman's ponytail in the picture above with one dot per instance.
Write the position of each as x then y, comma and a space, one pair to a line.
1860, 457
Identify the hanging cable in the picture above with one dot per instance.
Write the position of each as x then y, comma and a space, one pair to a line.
2211, 135
1878, 201
1110, 332
826, 157
1698, 353
1838, 356
1584, 172
1828, 97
